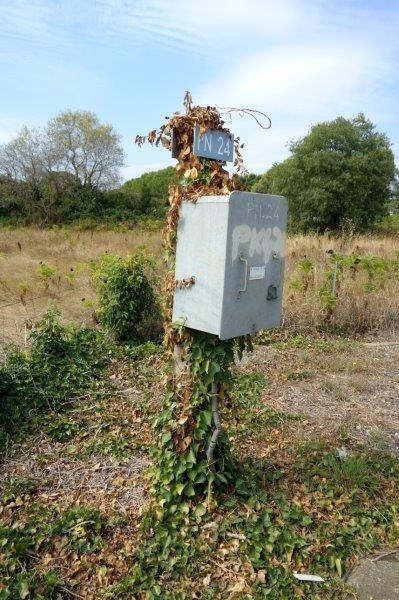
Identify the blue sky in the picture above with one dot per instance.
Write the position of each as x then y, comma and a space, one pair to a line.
130, 61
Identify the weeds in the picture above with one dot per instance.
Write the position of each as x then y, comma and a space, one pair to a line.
35, 528
313, 516
45, 273
83, 527
363, 302
59, 365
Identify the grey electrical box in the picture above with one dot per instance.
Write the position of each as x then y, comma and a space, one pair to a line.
234, 247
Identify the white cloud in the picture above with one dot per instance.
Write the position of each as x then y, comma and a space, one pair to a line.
205, 28
303, 82
301, 61
9, 127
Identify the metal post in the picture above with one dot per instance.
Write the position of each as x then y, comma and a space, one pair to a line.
218, 427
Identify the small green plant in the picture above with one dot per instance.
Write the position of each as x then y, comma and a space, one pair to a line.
306, 267
45, 273
19, 486
62, 429
83, 527
248, 387
71, 277
18, 543
377, 270
126, 296
23, 290
297, 375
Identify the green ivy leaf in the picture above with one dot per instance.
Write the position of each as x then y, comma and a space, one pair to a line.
180, 487
166, 437
184, 508
191, 458
200, 510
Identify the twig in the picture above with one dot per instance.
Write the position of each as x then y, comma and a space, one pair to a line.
251, 112
73, 594
237, 536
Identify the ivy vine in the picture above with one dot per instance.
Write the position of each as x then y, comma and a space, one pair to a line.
192, 450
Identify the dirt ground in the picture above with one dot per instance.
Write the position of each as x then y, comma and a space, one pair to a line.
346, 390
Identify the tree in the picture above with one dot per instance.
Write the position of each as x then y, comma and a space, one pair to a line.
340, 172
86, 148
28, 157
73, 142
393, 204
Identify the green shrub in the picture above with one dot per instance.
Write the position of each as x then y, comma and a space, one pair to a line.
151, 189
60, 199
126, 297
388, 226
58, 366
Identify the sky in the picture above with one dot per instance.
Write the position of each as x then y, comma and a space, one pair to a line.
130, 62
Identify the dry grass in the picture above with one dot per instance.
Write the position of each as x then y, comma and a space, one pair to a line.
21, 251
24, 296
357, 310
345, 390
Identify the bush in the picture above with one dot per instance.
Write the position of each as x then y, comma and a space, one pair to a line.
62, 198
249, 180
126, 297
388, 226
59, 365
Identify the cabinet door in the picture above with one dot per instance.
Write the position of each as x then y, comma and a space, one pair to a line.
254, 264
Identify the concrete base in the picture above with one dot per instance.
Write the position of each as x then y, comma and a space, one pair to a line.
376, 579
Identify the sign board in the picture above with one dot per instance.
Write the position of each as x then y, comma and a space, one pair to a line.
215, 144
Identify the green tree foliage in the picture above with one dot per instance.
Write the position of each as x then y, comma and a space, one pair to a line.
340, 172
152, 190
63, 172
249, 180
88, 149
62, 198
393, 204
126, 296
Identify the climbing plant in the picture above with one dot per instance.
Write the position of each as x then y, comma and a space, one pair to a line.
192, 451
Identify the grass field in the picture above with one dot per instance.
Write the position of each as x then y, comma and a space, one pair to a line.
311, 416
25, 291
366, 300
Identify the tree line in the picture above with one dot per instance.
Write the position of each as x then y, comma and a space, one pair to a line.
343, 172
67, 171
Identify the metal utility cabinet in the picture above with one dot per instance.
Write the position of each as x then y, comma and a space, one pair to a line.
234, 247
